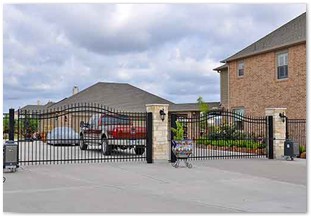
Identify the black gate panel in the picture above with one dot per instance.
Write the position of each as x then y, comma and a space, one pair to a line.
82, 133
224, 134
296, 131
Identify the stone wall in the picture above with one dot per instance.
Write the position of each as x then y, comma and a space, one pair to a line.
279, 130
160, 132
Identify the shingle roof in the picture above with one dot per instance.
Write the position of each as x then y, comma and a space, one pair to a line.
120, 96
293, 32
188, 107
32, 108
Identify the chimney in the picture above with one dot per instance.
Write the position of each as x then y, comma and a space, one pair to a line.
75, 90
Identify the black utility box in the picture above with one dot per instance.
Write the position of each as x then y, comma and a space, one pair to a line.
10, 155
291, 149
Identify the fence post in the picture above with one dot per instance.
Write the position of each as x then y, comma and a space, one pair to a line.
173, 125
270, 137
149, 138
11, 124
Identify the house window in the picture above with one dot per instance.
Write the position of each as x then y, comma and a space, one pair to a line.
241, 69
282, 66
238, 119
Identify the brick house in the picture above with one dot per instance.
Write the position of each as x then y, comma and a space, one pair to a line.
268, 73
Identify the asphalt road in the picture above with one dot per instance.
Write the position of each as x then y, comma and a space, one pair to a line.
211, 186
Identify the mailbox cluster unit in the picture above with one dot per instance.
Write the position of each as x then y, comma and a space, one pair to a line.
291, 149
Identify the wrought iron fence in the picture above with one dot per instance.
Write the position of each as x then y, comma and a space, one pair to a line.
224, 134
296, 131
83, 133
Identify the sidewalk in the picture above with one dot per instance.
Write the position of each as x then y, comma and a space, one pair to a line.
237, 185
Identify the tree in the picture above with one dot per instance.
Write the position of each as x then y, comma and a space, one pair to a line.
203, 106
6, 123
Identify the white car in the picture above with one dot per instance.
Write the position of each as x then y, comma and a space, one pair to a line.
63, 136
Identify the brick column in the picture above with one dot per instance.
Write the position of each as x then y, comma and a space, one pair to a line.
160, 135
279, 130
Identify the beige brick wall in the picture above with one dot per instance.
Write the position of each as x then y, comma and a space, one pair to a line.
259, 88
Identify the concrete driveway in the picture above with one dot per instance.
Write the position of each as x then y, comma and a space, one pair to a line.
30, 152
236, 185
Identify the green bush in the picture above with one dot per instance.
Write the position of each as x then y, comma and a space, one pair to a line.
27, 126
231, 143
21, 127
226, 131
5, 123
302, 149
179, 131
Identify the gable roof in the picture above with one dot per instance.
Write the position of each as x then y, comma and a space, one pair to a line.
31, 108
120, 96
293, 32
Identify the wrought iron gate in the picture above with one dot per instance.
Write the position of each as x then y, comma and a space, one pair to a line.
296, 131
225, 134
83, 133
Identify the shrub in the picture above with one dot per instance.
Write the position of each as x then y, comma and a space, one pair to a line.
226, 131
179, 131
302, 149
5, 123
231, 143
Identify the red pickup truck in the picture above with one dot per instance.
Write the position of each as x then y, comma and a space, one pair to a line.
112, 132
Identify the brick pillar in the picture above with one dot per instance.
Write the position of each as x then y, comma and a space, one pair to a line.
160, 135
279, 130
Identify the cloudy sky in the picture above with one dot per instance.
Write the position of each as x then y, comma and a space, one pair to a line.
166, 49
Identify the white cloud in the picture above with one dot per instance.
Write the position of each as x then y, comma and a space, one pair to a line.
166, 49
